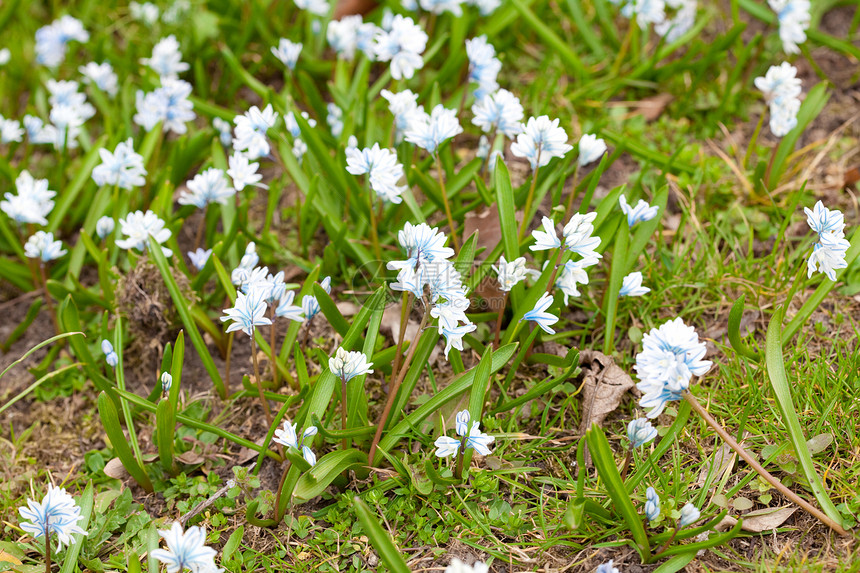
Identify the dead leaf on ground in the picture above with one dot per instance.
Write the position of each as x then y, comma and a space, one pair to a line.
391, 323
604, 386
851, 177
347, 308
650, 108
116, 470
190, 458
486, 222
759, 520
721, 462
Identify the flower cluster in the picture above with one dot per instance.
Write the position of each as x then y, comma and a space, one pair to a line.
427, 266
51, 40
33, 202
110, 355
56, 513
347, 365
484, 66
541, 140
210, 186
640, 432
166, 59
42, 246
248, 311
794, 21
781, 88
138, 227
168, 105
250, 131
287, 52
828, 254
286, 436
671, 18
123, 168
382, 169
429, 131
471, 437
500, 112
402, 45
670, 357
351, 34
640, 213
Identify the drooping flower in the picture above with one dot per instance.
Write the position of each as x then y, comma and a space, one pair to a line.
607, 567
347, 365
510, 273
578, 237
110, 356
186, 550
591, 148
471, 434
631, 285
248, 311
484, 66
250, 132
541, 140
105, 226
640, 432
825, 221
210, 186
51, 40
794, 19
828, 255
286, 436
56, 513
640, 213
138, 227
402, 105
168, 104
287, 52
500, 111
689, 515
166, 58
547, 238
402, 44
431, 131
652, 504
287, 309
539, 314
123, 168
572, 274
670, 357
310, 305
350, 34
199, 257
42, 246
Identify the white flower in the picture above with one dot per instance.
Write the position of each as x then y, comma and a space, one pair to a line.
484, 67
779, 82
123, 168
446, 446
110, 356
224, 129
248, 311
168, 104
146, 12
243, 172
823, 220
685, 17
473, 438
287, 309
607, 567
316, 7
382, 168
102, 76
403, 106
828, 255
631, 285
347, 365
645, 11
430, 131
577, 235
33, 202
199, 258
349, 34
547, 238
500, 111
186, 550
51, 40
286, 436
671, 355
652, 503
138, 227
250, 132
457, 566
41, 245
572, 274
288, 52
541, 141
783, 115
794, 20
5, 56
423, 244
166, 59
310, 305
638, 214
538, 314
56, 513
299, 150
166, 382
67, 122
689, 515
207, 187
105, 226
640, 432
10, 130
591, 148
402, 45
510, 273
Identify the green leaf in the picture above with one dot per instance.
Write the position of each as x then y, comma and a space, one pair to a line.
327, 468
734, 330
86, 505
184, 311
379, 538
110, 421
782, 392
507, 209
604, 461
330, 310
555, 43
232, 543
616, 276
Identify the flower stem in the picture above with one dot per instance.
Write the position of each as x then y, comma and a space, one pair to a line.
551, 282
273, 338
406, 305
627, 459
454, 238
374, 234
47, 547
260, 382
343, 411
753, 140
669, 542
48, 300
499, 319
817, 513
458, 473
198, 237
227, 363
392, 390
567, 210
529, 199
625, 46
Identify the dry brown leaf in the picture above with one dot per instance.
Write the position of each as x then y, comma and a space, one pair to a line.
486, 222
191, 458
391, 323
116, 470
352, 7
759, 520
604, 386
851, 177
720, 463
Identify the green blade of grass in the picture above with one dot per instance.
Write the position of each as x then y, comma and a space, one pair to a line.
70, 561
546, 33
781, 390
379, 538
616, 276
110, 421
331, 465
